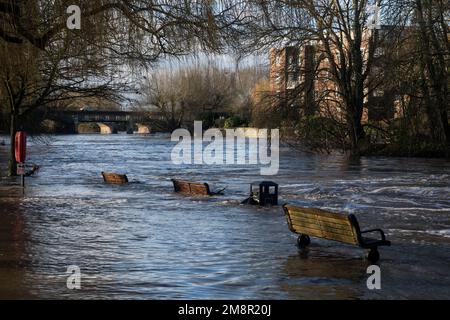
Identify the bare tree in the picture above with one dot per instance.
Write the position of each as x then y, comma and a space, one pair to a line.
345, 39
206, 92
44, 63
162, 98
434, 56
187, 94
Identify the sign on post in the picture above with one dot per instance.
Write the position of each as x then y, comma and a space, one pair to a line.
21, 169
20, 148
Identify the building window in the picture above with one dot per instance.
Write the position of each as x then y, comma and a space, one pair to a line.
292, 60
378, 52
378, 93
378, 71
278, 79
278, 60
292, 81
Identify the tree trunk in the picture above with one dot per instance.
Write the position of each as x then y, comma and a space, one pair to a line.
12, 169
434, 76
444, 118
355, 131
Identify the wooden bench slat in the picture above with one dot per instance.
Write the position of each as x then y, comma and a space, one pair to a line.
307, 231
321, 213
199, 189
326, 224
336, 220
194, 188
328, 215
343, 239
323, 228
311, 222
327, 234
184, 188
114, 178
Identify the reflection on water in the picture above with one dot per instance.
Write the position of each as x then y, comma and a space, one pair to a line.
144, 241
14, 256
315, 275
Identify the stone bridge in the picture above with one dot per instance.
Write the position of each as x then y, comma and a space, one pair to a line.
107, 122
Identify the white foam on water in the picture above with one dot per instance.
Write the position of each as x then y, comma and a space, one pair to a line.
443, 233
447, 210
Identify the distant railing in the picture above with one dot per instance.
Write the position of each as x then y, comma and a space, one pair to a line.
104, 116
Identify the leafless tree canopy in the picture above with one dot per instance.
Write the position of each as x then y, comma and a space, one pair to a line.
340, 29
44, 63
210, 92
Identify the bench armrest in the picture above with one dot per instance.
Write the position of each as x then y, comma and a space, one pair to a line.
383, 237
218, 192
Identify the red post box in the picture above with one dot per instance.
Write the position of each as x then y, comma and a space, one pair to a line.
21, 147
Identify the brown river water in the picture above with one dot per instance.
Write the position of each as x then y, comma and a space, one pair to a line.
142, 241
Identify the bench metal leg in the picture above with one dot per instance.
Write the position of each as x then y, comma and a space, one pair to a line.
303, 241
373, 255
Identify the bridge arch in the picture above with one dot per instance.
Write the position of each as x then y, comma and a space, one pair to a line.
107, 128
87, 128
96, 127
143, 128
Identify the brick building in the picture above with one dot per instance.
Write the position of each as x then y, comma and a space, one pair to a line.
292, 77
301, 79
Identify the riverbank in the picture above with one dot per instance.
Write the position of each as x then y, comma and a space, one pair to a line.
420, 149
9, 186
11, 191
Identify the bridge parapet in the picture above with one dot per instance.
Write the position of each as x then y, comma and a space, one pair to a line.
106, 116
125, 120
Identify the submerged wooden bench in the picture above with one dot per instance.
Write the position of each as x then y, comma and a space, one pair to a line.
332, 226
114, 178
194, 188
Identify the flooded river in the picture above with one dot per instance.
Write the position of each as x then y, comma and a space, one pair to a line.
142, 241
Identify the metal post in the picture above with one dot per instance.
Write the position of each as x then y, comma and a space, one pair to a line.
21, 171
23, 184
